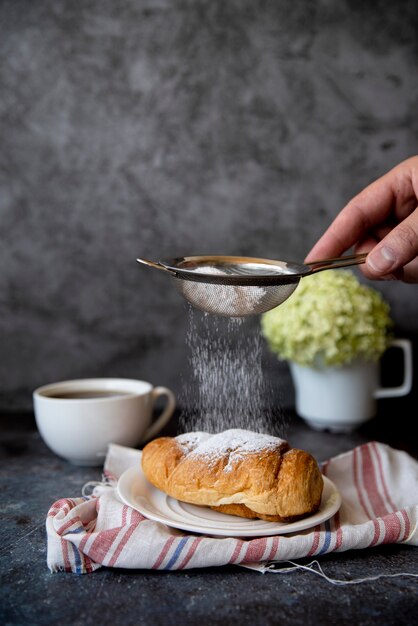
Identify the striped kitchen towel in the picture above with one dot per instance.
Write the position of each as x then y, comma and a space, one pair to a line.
378, 486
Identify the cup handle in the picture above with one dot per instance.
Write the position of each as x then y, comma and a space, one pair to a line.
165, 415
403, 389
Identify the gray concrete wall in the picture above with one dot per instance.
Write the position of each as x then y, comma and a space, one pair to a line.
166, 127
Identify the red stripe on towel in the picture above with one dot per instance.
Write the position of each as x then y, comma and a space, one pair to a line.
356, 453
63, 505
61, 530
190, 553
121, 545
392, 528
83, 542
163, 553
370, 483
376, 535
88, 564
255, 550
274, 547
236, 551
102, 544
315, 541
382, 475
136, 517
407, 524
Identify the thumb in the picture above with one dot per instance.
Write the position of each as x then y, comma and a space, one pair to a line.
397, 249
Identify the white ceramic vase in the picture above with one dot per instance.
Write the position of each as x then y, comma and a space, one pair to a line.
342, 398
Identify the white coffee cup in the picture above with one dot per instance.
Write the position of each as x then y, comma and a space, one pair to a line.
77, 419
340, 399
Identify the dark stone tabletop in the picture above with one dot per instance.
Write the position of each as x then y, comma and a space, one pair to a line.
32, 478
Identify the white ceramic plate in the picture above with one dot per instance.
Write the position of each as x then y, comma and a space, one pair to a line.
135, 491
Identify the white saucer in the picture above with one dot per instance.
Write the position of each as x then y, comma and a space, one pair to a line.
135, 491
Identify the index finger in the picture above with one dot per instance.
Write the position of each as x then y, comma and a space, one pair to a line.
369, 208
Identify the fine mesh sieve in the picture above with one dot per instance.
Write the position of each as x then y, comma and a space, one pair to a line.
239, 286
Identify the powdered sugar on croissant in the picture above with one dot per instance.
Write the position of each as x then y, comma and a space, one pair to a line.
237, 472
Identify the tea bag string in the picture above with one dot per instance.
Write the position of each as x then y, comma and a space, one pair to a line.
314, 568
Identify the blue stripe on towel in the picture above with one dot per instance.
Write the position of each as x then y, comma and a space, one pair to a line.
176, 553
327, 540
77, 559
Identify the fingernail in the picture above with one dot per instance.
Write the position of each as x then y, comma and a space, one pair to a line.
381, 260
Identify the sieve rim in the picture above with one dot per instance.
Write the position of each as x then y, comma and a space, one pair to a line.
181, 267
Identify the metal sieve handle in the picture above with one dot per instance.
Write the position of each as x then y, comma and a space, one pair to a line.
157, 266
342, 261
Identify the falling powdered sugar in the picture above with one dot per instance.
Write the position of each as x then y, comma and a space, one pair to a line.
225, 386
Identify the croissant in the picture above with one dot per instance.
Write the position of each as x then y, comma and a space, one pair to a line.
237, 472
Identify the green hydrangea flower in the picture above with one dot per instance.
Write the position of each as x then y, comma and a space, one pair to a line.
331, 319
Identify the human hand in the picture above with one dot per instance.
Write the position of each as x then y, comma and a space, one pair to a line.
383, 221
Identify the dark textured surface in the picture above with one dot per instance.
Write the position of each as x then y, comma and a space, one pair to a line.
168, 127
161, 128
32, 478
